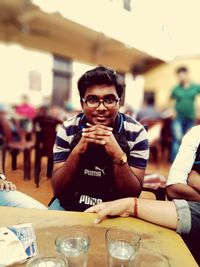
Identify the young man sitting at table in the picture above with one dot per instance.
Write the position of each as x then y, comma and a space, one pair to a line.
100, 154
180, 214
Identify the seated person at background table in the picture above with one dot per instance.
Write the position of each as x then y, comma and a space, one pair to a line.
180, 215
184, 176
100, 154
10, 197
149, 111
26, 112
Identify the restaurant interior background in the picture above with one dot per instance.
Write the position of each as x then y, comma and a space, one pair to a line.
46, 45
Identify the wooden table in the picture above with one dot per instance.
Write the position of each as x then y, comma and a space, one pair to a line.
48, 224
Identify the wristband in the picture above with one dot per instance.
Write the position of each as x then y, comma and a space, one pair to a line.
135, 208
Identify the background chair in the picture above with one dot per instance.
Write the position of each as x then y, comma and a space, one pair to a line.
45, 131
16, 145
153, 182
154, 129
2, 153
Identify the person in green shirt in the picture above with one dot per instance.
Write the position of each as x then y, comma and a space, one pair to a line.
184, 95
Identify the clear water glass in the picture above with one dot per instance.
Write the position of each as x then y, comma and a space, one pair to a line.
149, 259
54, 260
74, 245
122, 246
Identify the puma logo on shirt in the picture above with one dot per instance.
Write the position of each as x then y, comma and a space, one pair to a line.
97, 172
89, 200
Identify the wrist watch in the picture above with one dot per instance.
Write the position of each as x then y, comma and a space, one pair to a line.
2, 176
122, 160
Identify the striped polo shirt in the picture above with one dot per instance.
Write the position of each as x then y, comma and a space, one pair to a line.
133, 131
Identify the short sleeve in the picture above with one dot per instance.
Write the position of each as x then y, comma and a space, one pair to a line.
64, 138
139, 152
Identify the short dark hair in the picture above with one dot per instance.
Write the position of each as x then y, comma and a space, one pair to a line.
181, 69
99, 76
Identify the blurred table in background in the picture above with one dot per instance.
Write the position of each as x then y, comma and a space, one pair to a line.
49, 224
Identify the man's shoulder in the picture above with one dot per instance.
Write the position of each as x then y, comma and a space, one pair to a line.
133, 129
130, 123
72, 121
191, 138
193, 132
175, 89
196, 87
70, 127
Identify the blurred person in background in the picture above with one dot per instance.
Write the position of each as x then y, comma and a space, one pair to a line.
9, 115
149, 111
26, 112
184, 95
99, 154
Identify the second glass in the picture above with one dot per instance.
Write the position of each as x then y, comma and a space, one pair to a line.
74, 245
149, 259
122, 245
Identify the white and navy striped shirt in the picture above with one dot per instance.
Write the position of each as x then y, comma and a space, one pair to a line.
133, 131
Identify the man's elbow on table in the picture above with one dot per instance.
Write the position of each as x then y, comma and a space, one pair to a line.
182, 191
173, 192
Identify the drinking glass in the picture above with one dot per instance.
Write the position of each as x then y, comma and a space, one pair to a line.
74, 245
52, 260
122, 245
149, 259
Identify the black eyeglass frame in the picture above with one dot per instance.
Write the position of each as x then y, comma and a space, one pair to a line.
101, 101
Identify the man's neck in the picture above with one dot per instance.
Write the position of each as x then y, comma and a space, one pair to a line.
186, 84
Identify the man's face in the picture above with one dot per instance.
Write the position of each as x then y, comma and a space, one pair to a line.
183, 77
101, 114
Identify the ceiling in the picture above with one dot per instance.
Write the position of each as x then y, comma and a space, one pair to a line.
26, 24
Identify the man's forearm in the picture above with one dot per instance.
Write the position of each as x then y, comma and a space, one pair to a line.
182, 191
194, 180
62, 176
126, 182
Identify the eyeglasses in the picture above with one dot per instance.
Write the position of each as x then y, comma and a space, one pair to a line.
94, 102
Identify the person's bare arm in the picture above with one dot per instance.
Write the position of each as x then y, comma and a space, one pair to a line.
159, 212
194, 180
63, 173
182, 191
128, 179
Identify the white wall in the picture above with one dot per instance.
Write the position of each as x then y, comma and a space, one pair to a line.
134, 91
15, 64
